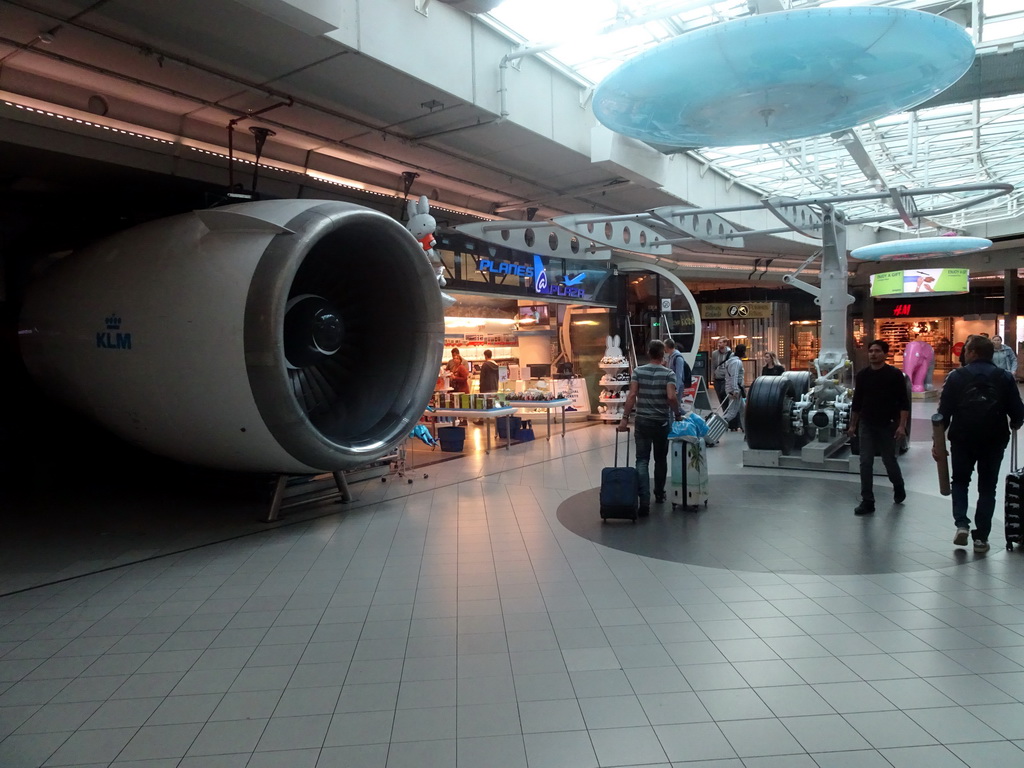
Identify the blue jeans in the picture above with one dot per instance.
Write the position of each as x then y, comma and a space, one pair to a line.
963, 457
651, 435
877, 440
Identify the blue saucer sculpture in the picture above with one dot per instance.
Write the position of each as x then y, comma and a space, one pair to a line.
922, 248
784, 75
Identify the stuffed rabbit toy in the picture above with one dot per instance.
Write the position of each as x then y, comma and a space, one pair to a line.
613, 351
422, 226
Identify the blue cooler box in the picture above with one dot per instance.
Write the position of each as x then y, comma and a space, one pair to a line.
506, 423
452, 439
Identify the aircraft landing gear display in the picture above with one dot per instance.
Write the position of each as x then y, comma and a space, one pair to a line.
782, 418
805, 410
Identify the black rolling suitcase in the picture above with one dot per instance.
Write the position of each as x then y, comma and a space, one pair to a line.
1013, 498
620, 488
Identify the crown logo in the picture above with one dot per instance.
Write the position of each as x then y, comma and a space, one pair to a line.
113, 321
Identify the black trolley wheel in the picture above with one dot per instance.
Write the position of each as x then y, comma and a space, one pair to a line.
801, 382
768, 421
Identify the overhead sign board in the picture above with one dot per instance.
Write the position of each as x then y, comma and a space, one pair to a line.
740, 310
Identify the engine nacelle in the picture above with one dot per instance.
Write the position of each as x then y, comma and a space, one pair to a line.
288, 336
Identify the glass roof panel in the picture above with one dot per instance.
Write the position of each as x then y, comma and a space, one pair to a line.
972, 142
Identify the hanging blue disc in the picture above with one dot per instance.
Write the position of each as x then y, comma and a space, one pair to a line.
921, 248
784, 75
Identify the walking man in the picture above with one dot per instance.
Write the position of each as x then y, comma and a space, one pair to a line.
976, 402
718, 370
652, 392
680, 368
734, 389
880, 412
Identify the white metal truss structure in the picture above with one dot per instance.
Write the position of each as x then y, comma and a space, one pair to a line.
972, 141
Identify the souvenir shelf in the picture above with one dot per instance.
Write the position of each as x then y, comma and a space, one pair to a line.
613, 406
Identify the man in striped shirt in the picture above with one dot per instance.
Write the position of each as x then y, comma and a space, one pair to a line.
652, 392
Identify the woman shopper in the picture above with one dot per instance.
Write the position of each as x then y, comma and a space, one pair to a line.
1003, 356
772, 366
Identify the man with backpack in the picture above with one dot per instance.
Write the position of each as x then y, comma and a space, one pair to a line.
678, 365
719, 356
976, 402
732, 409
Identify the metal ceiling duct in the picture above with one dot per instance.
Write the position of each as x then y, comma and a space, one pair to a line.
289, 336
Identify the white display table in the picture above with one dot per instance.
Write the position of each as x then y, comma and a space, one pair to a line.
547, 405
477, 413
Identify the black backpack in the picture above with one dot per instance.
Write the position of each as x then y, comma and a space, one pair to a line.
981, 405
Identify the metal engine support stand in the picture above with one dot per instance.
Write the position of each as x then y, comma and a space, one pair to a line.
832, 295
277, 503
833, 299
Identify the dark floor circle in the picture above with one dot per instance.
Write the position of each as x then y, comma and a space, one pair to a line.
783, 524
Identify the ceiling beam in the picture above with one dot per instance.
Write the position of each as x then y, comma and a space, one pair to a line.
991, 76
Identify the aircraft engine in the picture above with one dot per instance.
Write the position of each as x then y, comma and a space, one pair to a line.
290, 336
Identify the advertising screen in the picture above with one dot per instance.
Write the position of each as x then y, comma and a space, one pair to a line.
919, 282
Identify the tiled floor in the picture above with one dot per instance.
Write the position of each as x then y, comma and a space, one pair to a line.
457, 622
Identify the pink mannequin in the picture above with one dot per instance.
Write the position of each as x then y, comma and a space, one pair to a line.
917, 361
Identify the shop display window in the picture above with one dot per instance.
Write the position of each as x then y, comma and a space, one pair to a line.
934, 331
536, 315
805, 343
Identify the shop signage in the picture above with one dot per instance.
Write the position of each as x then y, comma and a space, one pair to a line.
506, 268
920, 282
750, 310
569, 286
490, 269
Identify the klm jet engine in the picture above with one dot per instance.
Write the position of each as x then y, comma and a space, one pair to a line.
290, 336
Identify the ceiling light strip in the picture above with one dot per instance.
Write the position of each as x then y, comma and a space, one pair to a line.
88, 120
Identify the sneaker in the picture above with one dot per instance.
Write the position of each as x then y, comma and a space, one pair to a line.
659, 498
899, 495
864, 508
962, 535
980, 545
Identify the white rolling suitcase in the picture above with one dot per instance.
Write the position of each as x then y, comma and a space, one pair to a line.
689, 472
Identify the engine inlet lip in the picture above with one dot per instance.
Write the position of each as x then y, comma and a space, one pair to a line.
267, 367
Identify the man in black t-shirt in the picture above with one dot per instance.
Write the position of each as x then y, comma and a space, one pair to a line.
880, 411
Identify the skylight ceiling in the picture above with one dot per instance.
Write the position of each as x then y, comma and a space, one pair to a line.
970, 142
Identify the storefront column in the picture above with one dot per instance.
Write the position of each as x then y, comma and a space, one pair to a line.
1010, 283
